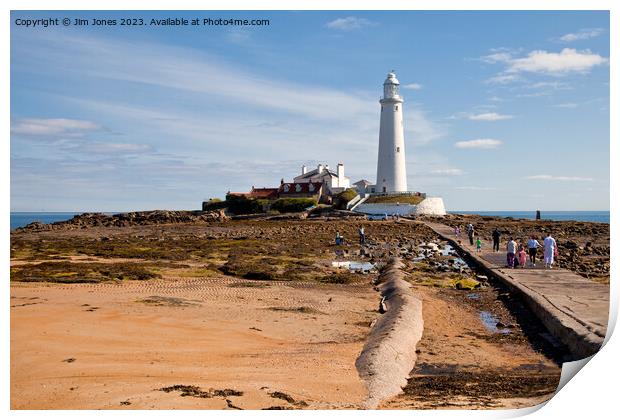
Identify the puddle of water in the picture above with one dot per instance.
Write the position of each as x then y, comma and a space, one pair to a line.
459, 262
447, 250
354, 266
473, 296
490, 322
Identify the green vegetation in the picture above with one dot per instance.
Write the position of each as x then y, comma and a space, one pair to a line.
338, 278
166, 301
292, 205
395, 198
465, 284
249, 284
214, 204
457, 281
238, 204
69, 272
151, 248
340, 200
300, 309
258, 275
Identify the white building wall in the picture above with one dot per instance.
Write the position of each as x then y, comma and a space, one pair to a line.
386, 208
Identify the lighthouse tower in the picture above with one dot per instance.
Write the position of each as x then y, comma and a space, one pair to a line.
391, 171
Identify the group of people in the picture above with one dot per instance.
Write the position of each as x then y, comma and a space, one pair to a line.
360, 231
516, 254
470, 236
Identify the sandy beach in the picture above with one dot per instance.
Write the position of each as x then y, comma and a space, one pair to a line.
115, 346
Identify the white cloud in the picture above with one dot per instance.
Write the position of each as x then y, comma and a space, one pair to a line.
551, 85
568, 60
559, 178
53, 127
534, 94
349, 23
581, 35
419, 128
502, 79
112, 148
490, 116
412, 86
498, 57
474, 188
238, 36
447, 172
570, 105
194, 71
478, 144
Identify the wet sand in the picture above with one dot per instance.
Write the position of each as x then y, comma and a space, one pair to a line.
107, 346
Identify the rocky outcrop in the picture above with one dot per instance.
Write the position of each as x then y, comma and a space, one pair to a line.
140, 218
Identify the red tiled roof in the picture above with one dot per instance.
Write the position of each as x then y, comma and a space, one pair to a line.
263, 193
300, 188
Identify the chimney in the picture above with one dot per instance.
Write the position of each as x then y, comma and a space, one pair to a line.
320, 168
303, 169
340, 171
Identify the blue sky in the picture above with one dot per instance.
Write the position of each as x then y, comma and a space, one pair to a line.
503, 110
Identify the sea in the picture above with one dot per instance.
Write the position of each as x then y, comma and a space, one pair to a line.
20, 219
578, 216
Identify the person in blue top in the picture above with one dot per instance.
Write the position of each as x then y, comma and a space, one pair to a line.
532, 249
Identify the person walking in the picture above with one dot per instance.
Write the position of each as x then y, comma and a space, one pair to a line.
511, 250
522, 256
478, 245
339, 238
362, 236
470, 234
496, 237
457, 231
532, 250
550, 248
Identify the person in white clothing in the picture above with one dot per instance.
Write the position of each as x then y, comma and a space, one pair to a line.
511, 251
550, 245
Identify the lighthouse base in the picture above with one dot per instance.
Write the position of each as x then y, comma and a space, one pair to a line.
430, 206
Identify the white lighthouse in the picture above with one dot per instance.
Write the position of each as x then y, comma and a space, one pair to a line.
391, 170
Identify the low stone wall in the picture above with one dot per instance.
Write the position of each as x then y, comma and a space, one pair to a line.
432, 206
389, 353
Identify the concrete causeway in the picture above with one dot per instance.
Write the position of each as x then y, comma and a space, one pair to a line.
575, 310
